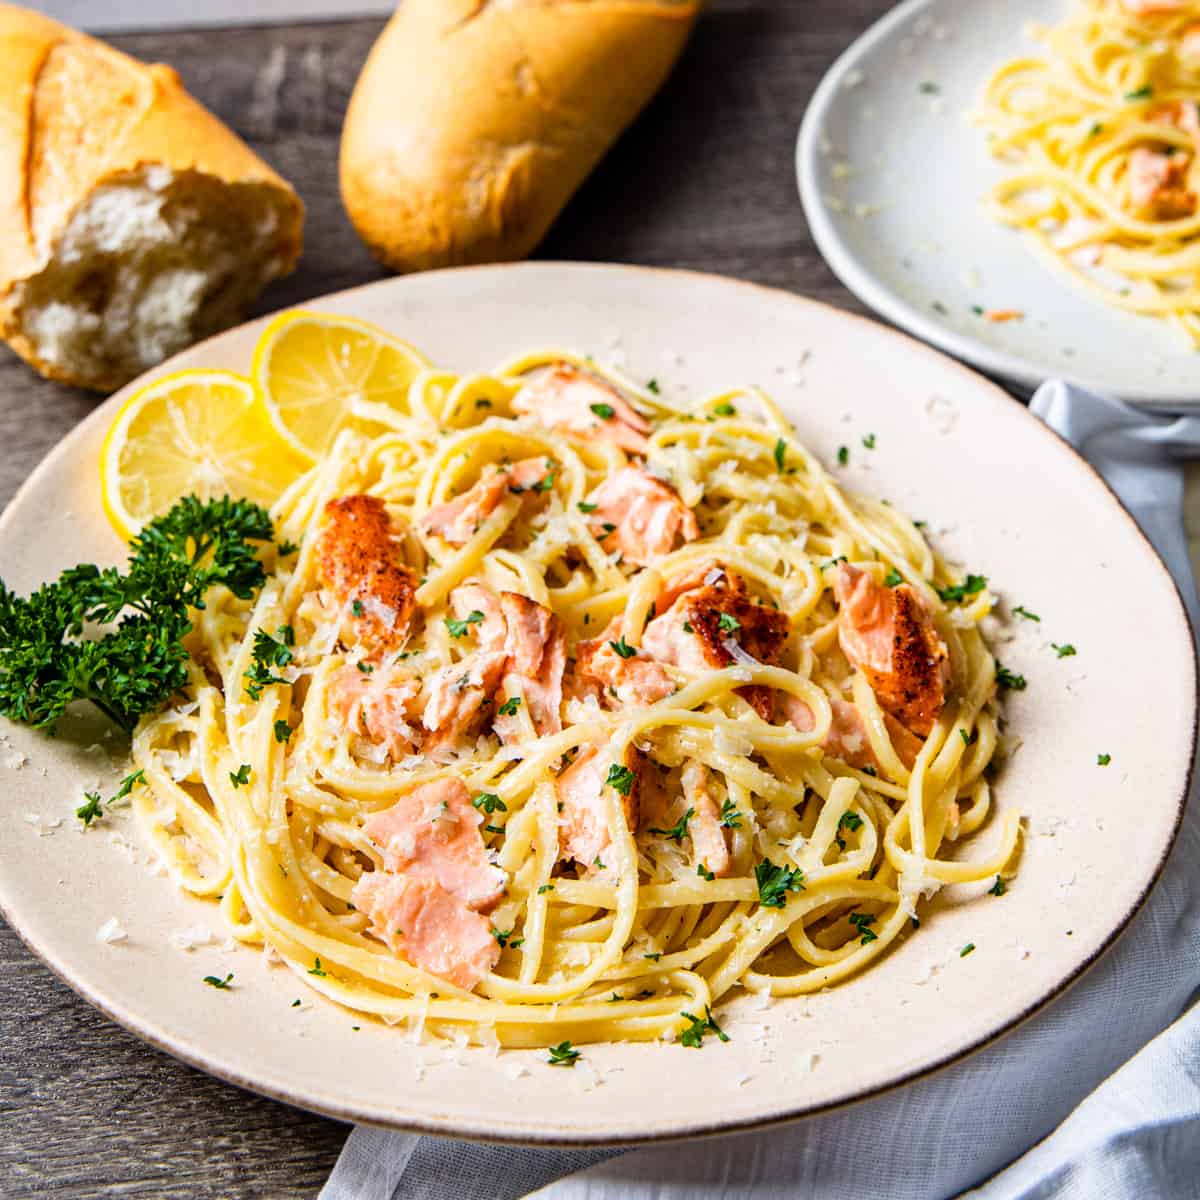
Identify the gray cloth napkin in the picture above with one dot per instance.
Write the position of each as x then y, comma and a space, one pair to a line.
1128, 1118
119, 16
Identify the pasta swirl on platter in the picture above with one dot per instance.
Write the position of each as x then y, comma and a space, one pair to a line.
1103, 135
575, 709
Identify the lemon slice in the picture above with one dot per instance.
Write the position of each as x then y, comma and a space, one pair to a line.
311, 368
203, 433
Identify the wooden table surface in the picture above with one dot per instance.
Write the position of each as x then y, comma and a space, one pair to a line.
85, 1108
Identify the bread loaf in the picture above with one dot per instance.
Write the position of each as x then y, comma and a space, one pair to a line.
132, 221
474, 121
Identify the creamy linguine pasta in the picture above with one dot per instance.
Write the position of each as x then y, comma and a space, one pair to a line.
575, 709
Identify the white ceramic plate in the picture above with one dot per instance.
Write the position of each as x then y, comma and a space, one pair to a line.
1007, 497
893, 180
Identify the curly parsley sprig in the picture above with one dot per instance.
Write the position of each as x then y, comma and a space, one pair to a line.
48, 661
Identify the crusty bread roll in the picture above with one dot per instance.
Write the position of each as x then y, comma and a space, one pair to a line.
474, 121
132, 222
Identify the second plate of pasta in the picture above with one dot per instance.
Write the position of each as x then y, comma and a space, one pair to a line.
1013, 181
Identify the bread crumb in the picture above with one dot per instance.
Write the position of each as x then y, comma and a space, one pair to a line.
111, 931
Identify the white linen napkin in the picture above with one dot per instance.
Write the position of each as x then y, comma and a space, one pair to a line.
1132, 1133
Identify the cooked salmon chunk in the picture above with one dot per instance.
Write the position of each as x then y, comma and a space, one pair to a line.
535, 648
567, 398
583, 832
381, 706
696, 806
358, 562
1158, 185
697, 631
619, 678
458, 520
888, 634
847, 737
427, 901
640, 516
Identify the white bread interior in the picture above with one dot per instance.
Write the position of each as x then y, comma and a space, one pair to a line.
150, 262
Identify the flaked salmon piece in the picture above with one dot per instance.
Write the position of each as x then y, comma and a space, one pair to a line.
456, 695
583, 833
1180, 114
380, 705
427, 901
458, 520
1158, 185
420, 921
617, 679
714, 624
535, 648
567, 398
432, 833
703, 826
888, 634
640, 516
847, 737
359, 563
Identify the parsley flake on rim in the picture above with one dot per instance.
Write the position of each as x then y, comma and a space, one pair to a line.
221, 985
774, 882
1010, 679
1102, 760
459, 628
843, 455
1022, 611
998, 888
966, 950
93, 809
869, 441
693, 1035
1066, 650
563, 1055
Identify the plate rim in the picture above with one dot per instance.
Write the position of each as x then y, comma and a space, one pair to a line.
889, 304
180, 1048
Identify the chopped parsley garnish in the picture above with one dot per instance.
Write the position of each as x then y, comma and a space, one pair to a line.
1022, 611
678, 831
317, 969
977, 310
966, 950
862, 923
585, 507
893, 578
357, 608
489, 802
730, 817
688, 627
545, 887
869, 441
283, 731
693, 1035
510, 706
505, 938
774, 882
92, 810
623, 648
286, 549
493, 829
608, 527
1009, 679
725, 409
1102, 760
652, 386
483, 402
1066, 650
1096, 129
295, 1003
563, 1055
848, 820
267, 654
653, 957
998, 888
364, 668
843, 455
704, 872
620, 778
1142, 93
972, 585
728, 624
605, 412
780, 453
966, 737
241, 776
458, 628
929, 88
833, 562
219, 984
546, 482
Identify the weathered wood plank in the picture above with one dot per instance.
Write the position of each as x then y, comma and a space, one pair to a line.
703, 180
